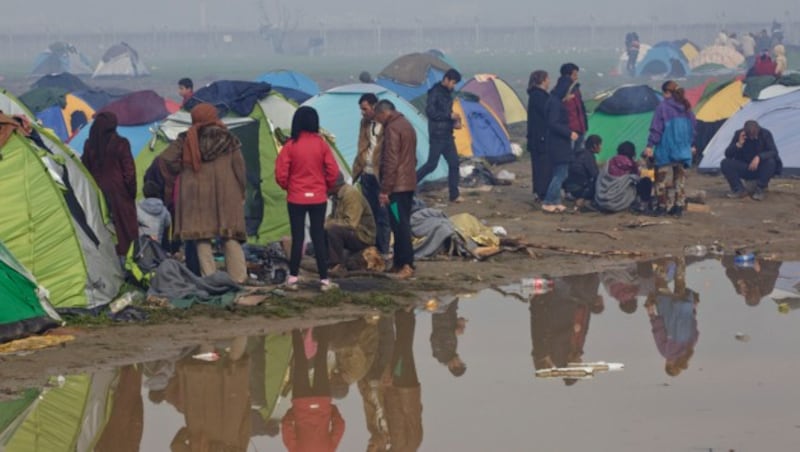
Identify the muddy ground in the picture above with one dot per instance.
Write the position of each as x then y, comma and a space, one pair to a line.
768, 227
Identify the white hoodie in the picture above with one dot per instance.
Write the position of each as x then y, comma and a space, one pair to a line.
154, 218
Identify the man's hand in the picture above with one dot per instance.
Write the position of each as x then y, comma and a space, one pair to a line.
694, 150
573, 136
383, 199
648, 152
742, 138
754, 163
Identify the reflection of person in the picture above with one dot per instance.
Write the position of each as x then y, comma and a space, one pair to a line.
751, 155
625, 284
447, 326
313, 423
752, 282
403, 398
123, 431
541, 169
372, 390
673, 315
351, 226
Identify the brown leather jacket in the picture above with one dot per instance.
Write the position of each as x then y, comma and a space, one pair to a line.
399, 159
363, 146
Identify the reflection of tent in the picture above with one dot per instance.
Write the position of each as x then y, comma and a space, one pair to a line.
53, 222
414, 74
664, 60
720, 101
500, 97
294, 85
716, 54
61, 57
24, 310
120, 60
778, 114
65, 81
484, 135
339, 114
624, 115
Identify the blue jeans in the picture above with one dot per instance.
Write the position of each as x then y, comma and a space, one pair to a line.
371, 188
442, 147
553, 196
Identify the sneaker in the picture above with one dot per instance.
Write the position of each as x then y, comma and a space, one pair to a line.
326, 285
658, 212
458, 200
292, 284
738, 194
676, 211
404, 272
758, 194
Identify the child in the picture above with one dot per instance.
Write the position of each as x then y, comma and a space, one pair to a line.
185, 90
154, 218
620, 183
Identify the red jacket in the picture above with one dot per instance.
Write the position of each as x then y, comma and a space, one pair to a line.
313, 424
306, 169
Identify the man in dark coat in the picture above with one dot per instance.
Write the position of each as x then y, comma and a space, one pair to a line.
583, 171
568, 90
752, 155
541, 169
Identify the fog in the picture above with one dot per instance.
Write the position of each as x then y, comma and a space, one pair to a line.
196, 15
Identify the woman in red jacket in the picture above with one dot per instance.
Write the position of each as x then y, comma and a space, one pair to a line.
307, 170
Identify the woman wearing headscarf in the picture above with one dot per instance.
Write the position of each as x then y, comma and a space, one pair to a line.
108, 158
211, 190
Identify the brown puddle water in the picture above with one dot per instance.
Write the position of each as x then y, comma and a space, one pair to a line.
710, 358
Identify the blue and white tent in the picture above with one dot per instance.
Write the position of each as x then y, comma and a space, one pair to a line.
293, 85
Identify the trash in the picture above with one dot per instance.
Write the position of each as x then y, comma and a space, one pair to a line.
61, 380
125, 300
536, 286
516, 149
506, 175
499, 231
742, 337
210, 356
600, 366
431, 305
695, 250
466, 170
716, 248
744, 259
579, 373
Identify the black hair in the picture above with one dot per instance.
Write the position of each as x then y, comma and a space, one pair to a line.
305, 119
592, 142
384, 105
453, 74
458, 371
537, 78
568, 68
627, 149
150, 189
369, 98
186, 83
628, 306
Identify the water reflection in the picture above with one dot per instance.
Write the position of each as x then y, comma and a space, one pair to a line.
358, 385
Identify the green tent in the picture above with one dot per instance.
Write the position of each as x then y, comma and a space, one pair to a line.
54, 222
614, 129
24, 309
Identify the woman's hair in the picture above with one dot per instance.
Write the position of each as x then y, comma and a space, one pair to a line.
627, 149
537, 78
670, 86
674, 368
305, 119
592, 142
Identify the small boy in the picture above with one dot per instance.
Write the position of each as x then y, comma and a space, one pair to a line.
185, 89
154, 218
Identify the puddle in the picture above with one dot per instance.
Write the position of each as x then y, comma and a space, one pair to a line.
710, 364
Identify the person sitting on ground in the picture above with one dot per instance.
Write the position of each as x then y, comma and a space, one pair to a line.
764, 65
185, 90
780, 60
351, 226
153, 215
752, 155
583, 171
619, 184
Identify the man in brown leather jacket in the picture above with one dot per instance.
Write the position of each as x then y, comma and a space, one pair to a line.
398, 181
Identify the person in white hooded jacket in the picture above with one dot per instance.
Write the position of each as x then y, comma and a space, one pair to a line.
153, 216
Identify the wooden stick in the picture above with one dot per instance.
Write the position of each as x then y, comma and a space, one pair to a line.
563, 249
643, 224
588, 231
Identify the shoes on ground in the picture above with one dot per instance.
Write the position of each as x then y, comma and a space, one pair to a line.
326, 285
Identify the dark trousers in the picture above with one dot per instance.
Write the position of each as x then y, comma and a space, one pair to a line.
301, 387
404, 369
371, 188
400, 220
736, 170
585, 191
340, 240
442, 147
190, 253
542, 171
633, 55
297, 223
644, 188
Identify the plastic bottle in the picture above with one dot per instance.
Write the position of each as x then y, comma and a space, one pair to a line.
537, 283
124, 301
744, 259
695, 250
571, 372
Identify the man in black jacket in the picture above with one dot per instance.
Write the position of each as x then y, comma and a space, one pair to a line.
583, 172
441, 122
752, 155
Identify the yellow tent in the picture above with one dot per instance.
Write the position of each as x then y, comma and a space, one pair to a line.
723, 104
482, 133
77, 107
500, 97
690, 51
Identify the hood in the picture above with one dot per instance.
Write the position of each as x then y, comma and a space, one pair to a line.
152, 206
675, 106
563, 87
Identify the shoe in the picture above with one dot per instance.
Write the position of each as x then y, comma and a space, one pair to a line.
676, 211
738, 194
326, 285
405, 272
658, 212
758, 194
553, 208
291, 284
458, 200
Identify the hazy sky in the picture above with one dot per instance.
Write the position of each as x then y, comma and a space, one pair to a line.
131, 15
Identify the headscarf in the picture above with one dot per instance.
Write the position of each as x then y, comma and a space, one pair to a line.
203, 115
104, 129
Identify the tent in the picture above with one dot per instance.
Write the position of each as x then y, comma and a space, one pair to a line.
778, 114
663, 60
499, 96
414, 74
24, 308
120, 60
622, 63
294, 85
484, 135
688, 49
61, 57
54, 222
64, 113
624, 115
340, 115
719, 102
65, 81
723, 55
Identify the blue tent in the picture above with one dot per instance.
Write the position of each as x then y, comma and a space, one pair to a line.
663, 59
412, 75
61, 57
53, 118
293, 85
340, 115
484, 136
138, 136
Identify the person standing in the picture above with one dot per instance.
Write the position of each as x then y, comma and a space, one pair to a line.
366, 168
541, 168
211, 191
752, 155
351, 226
307, 170
108, 158
568, 90
672, 132
441, 122
398, 182
632, 48
560, 142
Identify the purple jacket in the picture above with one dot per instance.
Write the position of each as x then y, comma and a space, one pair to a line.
672, 133
620, 165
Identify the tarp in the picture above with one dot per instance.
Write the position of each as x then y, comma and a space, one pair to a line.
499, 96
294, 82
237, 97
627, 100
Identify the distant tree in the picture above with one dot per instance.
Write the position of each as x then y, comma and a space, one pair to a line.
277, 22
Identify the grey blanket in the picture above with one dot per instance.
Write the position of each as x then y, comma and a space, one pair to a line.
615, 194
434, 227
173, 280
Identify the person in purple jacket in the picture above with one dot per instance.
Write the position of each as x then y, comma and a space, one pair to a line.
671, 145
673, 315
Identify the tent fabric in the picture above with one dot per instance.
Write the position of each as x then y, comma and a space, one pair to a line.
98, 99
484, 135
413, 75
723, 103
340, 115
663, 59
61, 57
65, 81
689, 50
499, 96
137, 108
120, 60
630, 100
237, 97
778, 115
39, 99
59, 111
292, 80
53, 119
718, 54
24, 310
614, 129
10, 105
